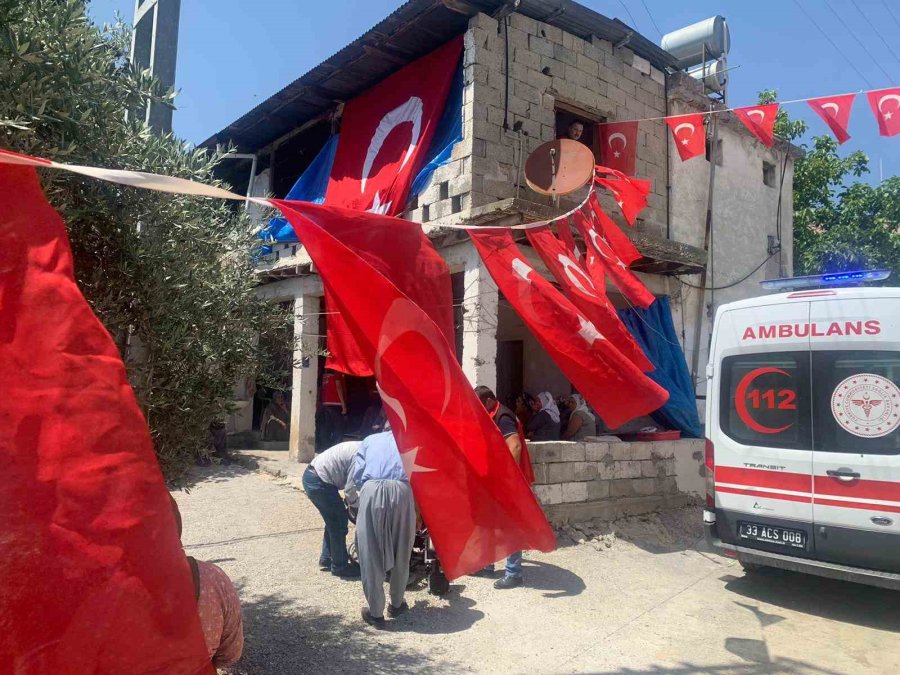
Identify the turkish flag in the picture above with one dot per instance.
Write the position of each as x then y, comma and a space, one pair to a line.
624, 279
623, 247
618, 145
94, 577
386, 131
760, 121
886, 107
630, 193
689, 135
470, 491
399, 250
611, 383
565, 233
835, 112
580, 288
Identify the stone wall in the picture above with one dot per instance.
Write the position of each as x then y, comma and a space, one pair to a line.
547, 67
611, 479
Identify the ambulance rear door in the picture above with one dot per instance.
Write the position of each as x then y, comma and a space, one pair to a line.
761, 427
856, 431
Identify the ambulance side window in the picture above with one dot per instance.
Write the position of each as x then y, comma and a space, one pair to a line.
765, 399
856, 401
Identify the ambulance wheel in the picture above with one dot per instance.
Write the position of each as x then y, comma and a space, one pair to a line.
752, 568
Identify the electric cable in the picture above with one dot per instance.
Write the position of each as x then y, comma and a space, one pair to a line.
653, 21
833, 43
891, 12
634, 23
858, 41
733, 283
877, 32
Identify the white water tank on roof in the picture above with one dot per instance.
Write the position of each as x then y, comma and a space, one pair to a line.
713, 74
687, 44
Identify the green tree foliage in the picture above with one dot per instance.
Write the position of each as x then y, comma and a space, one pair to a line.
171, 277
840, 224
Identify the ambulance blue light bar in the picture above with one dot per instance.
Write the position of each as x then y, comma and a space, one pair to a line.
820, 280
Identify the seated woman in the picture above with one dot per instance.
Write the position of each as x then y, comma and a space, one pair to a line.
544, 426
582, 422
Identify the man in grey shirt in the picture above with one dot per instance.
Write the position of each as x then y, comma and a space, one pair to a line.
323, 479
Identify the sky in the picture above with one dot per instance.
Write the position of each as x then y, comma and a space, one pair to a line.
234, 54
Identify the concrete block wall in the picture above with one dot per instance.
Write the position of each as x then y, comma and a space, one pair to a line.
548, 67
611, 479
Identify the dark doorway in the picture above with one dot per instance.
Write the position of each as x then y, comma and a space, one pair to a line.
510, 363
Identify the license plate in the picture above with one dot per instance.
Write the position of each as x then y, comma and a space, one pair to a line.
780, 536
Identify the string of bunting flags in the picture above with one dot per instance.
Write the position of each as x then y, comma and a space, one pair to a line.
618, 140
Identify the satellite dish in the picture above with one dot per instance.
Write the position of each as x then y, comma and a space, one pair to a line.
559, 167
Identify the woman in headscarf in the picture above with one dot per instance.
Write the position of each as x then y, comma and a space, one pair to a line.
582, 422
544, 426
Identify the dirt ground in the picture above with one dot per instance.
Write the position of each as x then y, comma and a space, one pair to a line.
638, 596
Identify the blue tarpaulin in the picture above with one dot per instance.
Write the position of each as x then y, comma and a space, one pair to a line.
655, 333
311, 186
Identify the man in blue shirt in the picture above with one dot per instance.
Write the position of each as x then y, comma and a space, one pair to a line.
385, 525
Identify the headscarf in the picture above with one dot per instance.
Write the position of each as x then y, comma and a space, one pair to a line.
548, 404
582, 406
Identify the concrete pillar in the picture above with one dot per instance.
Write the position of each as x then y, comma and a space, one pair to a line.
302, 443
480, 317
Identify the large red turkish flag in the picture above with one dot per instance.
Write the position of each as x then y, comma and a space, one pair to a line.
471, 493
598, 243
886, 108
618, 240
580, 288
93, 576
618, 145
835, 112
400, 251
611, 383
689, 135
386, 131
565, 233
760, 121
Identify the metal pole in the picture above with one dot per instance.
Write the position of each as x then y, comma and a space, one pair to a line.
708, 247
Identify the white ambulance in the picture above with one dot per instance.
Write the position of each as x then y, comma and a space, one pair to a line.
803, 433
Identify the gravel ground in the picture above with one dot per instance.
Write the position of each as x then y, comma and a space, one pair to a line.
640, 596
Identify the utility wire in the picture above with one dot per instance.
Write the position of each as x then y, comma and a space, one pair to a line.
891, 12
877, 32
858, 41
833, 43
634, 23
733, 283
655, 25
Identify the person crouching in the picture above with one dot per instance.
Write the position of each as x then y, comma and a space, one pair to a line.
385, 525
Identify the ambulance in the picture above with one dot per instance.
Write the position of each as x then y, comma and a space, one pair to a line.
803, 430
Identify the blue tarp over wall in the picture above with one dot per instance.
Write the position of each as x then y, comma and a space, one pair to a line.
655, 333
311, 186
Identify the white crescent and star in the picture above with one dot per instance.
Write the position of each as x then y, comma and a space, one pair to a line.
831, 105
612, 137
409, 462
409, 111
754, 113
888, 97
577, 276
685, 125
588, 331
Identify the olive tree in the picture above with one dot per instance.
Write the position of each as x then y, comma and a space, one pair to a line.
172, 277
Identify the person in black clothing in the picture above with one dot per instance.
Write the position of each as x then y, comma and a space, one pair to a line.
544, 426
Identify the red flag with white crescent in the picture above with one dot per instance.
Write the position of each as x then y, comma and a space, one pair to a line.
580, 288
472, 495
613, 385
94, 577
386, 131
618, 145
630, 193
402, 252
598, 244
760, 121
623, 247
886, 108
835, 112
688, 134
